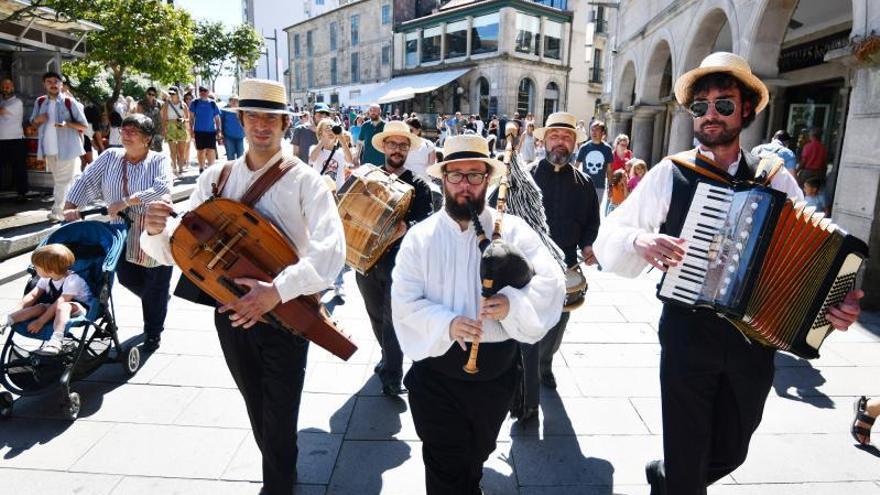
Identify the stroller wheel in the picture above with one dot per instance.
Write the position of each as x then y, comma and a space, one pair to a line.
5, 405
71, 406
131, 360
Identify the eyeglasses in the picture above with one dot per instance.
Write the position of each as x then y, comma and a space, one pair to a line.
391, 145
473, 178
724, 106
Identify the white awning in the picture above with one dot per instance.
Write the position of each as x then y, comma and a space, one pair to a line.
407, 87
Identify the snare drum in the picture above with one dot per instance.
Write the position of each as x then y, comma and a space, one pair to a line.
575, 288
371, 203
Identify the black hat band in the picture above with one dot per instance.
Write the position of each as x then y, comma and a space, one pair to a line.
268, 105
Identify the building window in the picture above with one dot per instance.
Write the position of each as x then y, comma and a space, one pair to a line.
309, 44
556, 4
386, 55
333, 70
551, 100
355, 22
297, 76
599, 19
310, 75
333, 36
528, 33
319, 2
524, 97
456, 39
431, 44
296, 45
484, 34
355, 68
552, 40
412, 49
386, 14
596, 71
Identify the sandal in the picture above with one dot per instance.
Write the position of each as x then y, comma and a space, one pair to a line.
861, 416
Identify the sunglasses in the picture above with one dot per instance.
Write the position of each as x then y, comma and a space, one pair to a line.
473, 178
724, 106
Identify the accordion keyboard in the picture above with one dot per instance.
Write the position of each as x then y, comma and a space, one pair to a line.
703, 225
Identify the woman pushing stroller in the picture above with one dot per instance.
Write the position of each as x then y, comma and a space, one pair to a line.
59, 294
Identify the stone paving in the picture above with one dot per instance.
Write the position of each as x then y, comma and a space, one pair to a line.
179, 425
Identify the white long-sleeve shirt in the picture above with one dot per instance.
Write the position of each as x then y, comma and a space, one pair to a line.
645, 211
299, 204
437, 278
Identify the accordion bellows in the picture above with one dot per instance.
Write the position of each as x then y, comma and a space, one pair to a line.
769, 266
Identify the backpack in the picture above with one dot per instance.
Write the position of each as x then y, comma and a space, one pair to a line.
67, 103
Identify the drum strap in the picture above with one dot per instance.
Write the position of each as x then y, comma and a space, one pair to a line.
275, 172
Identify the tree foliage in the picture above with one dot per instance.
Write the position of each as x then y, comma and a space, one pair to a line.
139, 36
217, 50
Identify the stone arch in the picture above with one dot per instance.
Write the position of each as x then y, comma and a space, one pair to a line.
550, 102
714, 21
657, 78
526, 96
626, 93
767, 30
481, 89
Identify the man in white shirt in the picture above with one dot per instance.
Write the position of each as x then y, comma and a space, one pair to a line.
268, 363
713, 381
59, 121
437, 308
12, 146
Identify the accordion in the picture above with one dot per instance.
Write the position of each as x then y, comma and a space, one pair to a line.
768, 265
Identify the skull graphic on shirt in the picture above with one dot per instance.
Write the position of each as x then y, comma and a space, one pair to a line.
594, 162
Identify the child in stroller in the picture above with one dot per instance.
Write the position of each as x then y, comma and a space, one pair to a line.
57, 295
27, 367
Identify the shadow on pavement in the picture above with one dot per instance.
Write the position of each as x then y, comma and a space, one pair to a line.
799, 374
553, 456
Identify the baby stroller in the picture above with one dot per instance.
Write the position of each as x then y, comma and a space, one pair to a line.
88, 339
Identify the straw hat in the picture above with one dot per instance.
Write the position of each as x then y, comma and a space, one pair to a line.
562, 120
725, 62
396, 128
466, 147
262, 95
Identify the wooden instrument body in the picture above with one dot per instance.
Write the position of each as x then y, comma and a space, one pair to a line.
371, 203
222, 240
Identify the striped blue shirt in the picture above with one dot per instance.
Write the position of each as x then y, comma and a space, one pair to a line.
148, 180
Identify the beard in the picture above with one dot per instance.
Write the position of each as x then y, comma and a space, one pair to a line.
560, 155
726, 136
395, 160
462, 212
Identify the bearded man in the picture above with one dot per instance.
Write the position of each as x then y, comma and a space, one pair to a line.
395, 142
437, 307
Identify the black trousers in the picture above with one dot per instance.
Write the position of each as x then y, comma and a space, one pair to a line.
151, 286
458, 422
375, 288
714, 384
538, 361
12, 164
269, 368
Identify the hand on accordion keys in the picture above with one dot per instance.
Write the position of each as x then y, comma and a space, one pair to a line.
846, 313
660, 250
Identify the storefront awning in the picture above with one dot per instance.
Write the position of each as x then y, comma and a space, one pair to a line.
407, 87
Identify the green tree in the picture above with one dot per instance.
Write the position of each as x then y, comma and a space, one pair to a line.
210, 49
216, 50
61, 11
139, 36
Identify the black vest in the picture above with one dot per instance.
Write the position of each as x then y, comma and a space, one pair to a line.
684, 185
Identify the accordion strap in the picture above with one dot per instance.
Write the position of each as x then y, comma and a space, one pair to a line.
689, 159
767, 169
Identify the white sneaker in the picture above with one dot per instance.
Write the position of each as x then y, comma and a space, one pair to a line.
54, 217
50, 347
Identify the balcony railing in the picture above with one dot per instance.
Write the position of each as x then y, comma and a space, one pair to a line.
596, 75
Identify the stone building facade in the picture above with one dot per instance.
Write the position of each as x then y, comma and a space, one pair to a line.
803, 50
514, 55
340, 54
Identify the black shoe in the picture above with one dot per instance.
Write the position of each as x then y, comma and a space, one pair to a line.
377, 368
393, 389
656, 476
548, 380
21, 199
151, 344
